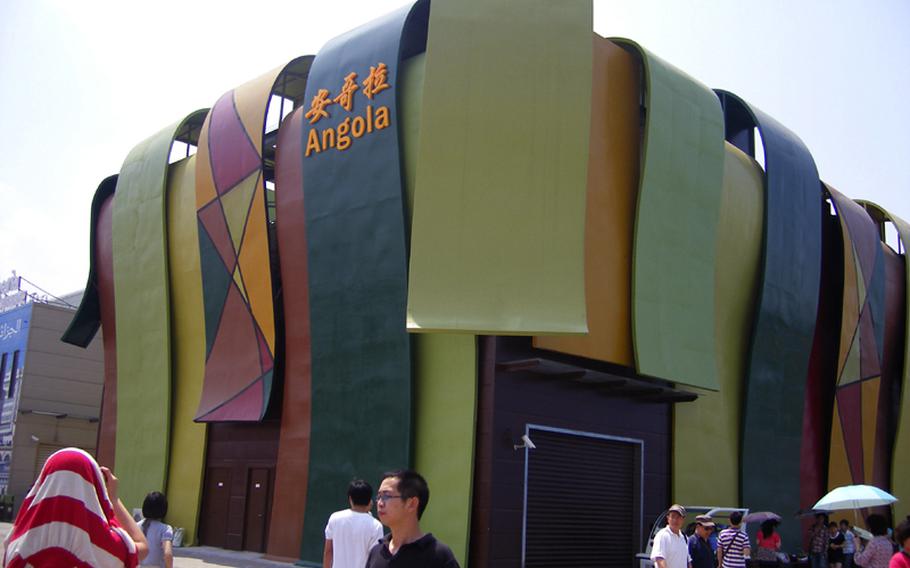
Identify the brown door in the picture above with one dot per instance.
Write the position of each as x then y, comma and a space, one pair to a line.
216, 501
257, 504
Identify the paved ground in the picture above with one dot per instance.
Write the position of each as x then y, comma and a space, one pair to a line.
204, 556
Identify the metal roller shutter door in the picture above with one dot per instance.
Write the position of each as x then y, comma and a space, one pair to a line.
582, 499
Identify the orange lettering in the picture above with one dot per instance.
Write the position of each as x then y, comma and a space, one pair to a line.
346, 97
344, 141
328, 138
317, 106
382, 117
377, 80
312, 143
358, 126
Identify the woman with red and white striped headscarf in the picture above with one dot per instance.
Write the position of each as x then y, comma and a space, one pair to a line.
72, 517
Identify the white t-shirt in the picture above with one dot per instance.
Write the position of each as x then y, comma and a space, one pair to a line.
156, 533
352, 534
672, 547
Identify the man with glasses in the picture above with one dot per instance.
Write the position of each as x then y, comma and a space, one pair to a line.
671, 550
402, 498
700, 550
351, 533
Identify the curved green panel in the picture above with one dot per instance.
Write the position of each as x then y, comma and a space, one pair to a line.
356, 234
444, 417
187, 456
143, 317
498, 231
715, 416
676, 227
786, 313
87, 319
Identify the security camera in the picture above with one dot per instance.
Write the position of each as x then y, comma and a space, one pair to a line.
525, 443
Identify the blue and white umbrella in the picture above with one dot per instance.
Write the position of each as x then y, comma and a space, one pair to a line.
854, 497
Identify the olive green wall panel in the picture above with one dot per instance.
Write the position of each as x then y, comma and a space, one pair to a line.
676, 227
706, 431
444, 419
445, 380
410, 103
143, 322
498, 229
187, 456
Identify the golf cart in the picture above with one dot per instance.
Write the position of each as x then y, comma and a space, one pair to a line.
720, 515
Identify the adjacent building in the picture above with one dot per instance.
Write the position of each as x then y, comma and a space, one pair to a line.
51, 393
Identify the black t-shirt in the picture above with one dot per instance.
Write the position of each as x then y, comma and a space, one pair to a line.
836, 554
425, 552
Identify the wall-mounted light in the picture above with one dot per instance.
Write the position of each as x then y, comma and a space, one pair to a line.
525, 443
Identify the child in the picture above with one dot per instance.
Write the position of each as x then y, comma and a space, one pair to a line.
158, 534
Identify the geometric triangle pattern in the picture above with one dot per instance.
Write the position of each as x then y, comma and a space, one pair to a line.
238, 282
236, 206
217, 280
236, 265
850, 372
855, 434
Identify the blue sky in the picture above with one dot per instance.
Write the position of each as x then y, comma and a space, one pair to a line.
82, 82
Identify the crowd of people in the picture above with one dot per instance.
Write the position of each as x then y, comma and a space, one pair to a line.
838, 545
72, 516
832, 545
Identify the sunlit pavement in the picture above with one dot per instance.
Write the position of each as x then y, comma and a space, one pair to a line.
204, 556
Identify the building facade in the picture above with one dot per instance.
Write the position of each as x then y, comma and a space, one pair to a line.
391, 253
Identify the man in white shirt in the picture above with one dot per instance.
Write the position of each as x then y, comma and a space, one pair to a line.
671, 548
351, 533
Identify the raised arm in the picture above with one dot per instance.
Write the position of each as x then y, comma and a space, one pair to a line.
123, 517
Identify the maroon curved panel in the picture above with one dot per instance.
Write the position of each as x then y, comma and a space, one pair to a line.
286, 532
821, 379
892, 365
104, 255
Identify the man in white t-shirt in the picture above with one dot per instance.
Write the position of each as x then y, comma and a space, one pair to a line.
671, 548
351, 533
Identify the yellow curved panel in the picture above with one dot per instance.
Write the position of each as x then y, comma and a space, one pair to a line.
251, 99
187, 459
716, 415
850, 310
205, 185
870, 390
258, 282
838, 467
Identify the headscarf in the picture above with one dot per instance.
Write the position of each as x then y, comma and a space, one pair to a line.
67, 519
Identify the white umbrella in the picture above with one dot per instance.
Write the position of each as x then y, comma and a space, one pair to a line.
854, 497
